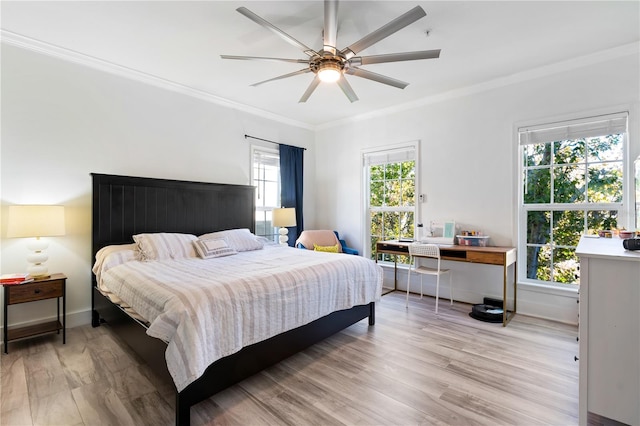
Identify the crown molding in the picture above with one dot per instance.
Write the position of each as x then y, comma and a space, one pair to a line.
532, 74
17, 40
14, 39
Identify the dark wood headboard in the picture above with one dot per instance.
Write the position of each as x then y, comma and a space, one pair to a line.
123, 206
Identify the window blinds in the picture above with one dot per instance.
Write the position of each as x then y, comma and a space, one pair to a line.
266, 159
575, 129
389, 156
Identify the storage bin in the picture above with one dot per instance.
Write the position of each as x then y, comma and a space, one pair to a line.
473, 240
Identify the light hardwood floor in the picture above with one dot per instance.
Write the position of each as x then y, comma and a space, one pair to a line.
412, 367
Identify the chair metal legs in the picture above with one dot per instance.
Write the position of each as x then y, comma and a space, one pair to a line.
408, 285
437, 288
450, 290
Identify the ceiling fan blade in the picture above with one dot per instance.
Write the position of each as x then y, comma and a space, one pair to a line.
395, 57
261, 58
358, 72
286, 37
330, 26
310, 89
347, 89
384, 31
291, 74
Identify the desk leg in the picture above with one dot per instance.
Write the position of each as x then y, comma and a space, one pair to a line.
5, 329
505, 314
395, 272
515, 287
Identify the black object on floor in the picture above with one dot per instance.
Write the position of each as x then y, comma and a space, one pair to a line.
487, 313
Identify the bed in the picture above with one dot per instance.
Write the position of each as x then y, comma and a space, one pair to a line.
125, 206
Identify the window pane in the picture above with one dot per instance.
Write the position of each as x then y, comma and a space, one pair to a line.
537, 187
601, 220
376, 194
409, 170
605, 183
271, 194
605, 148
408, 192
537, 155
569, 151
392, 193
568, 184
376, 172
538, 263
567, 227
406, 225
538, 227
391, 225
376, 225
374, 240
565, 266
392, 171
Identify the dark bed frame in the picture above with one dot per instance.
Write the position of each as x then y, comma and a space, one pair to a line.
123, 206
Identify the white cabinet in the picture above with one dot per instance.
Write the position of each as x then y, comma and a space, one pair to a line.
609, 330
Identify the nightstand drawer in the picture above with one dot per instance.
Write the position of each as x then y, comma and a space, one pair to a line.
35, 291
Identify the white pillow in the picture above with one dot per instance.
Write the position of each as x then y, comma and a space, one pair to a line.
163, 245
111, 256
238, 239
214, 247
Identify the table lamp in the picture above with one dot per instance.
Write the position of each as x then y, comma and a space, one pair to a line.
282, 218
36, 221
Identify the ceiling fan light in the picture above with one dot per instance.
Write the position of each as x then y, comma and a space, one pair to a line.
329, 72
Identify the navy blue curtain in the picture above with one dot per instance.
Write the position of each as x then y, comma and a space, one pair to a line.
291, 177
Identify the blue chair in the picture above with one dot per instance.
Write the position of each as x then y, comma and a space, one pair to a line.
343, 243
323, 238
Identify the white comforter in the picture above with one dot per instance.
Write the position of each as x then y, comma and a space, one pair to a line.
208, 309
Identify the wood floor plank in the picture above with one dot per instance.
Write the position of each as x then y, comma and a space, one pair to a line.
412, 368
57, 409
13, 383
98, 404
80, 364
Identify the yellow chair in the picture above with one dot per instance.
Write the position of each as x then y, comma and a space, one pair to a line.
431, 251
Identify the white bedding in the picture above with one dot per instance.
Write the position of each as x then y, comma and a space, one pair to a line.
207, 309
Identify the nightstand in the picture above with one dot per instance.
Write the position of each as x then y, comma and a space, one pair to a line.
53, 287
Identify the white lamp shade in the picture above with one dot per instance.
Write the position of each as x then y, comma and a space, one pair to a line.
35, 221
284, 217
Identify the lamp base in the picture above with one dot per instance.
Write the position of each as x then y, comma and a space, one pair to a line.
37, 258
284, 237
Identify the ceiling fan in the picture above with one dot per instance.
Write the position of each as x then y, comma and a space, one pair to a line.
331, 64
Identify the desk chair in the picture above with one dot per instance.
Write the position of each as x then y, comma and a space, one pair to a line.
429, 251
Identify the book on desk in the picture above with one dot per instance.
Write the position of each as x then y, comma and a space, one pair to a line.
15, 279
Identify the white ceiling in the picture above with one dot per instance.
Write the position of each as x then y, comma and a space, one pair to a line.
179, 43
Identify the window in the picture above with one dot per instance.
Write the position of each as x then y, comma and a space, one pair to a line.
266, 179
572, 182
390, 188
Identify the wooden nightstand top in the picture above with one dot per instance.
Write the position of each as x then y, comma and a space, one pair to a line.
56, 276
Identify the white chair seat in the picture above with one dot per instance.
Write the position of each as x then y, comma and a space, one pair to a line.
432, 251
429, 271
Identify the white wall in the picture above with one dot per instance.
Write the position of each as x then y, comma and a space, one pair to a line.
468, 164
62, 121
